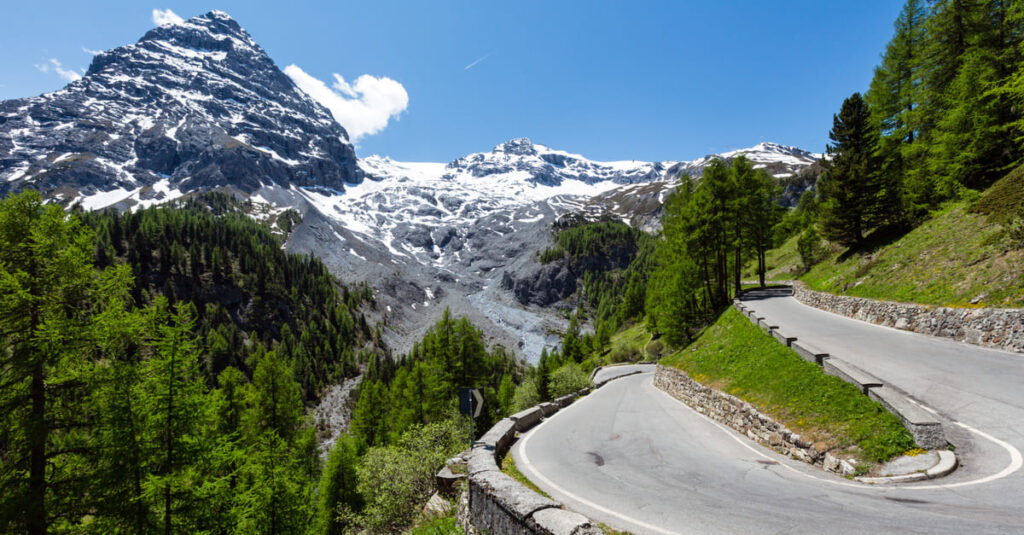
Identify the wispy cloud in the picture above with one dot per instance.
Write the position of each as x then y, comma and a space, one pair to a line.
58, 68
166, 16
363, 107
91, 51
477, 61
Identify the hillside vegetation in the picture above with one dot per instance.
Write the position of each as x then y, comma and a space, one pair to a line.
735, 356
965, 255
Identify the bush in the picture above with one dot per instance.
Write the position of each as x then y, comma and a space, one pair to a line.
810, 248
526, 396
394, 481
655, 349
568, 379
1015, 231
623, 353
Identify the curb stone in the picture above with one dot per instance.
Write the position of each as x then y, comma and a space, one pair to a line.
946, 464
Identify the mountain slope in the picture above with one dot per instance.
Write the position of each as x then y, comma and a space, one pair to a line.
199, 106
190, 106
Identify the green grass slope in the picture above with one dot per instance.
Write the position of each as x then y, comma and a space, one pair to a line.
957, 258
735, 356
962, 257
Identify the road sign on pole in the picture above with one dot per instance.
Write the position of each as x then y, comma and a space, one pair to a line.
471, 402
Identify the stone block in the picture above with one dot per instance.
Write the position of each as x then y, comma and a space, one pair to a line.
863, 380
481, 459
847, 468
526, 419
500, 436
447, 481
831, 463
808, 352
565, 400
548, 409
925, 427
563, 522
784, 339
765, 325
512, 498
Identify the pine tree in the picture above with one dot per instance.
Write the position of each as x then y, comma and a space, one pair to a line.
120, 455
172, 399
46, 283
276, 475
894, 100
850, 187
339, 495
506, 394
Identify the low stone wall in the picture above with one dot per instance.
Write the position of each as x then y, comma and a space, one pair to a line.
926, 428
1001, 328
745, 418
497, 503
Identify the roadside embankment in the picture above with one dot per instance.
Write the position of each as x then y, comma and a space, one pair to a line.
735, 374
1000, 328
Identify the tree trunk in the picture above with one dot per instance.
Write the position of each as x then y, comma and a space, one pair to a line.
35, 514
169, 440
737, 286
35, 519
761, 266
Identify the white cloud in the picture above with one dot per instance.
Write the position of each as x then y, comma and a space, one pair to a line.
58, 68
363, 107
91, 51
166, 16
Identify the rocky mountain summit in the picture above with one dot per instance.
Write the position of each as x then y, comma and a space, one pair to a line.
190, 106
545, 166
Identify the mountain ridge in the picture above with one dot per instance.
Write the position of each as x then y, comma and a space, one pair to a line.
197, 105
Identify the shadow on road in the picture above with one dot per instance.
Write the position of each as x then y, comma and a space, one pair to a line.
769, 292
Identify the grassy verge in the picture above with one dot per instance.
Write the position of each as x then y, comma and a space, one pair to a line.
735, 356
957, 258
508, 466
632, 344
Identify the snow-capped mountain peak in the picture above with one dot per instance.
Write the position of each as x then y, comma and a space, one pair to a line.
192, 105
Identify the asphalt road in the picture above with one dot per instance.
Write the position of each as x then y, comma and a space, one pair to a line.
632, 457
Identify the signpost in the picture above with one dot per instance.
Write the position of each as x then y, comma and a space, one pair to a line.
471, 402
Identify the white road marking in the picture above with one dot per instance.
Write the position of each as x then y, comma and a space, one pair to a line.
550, 484
1016, 460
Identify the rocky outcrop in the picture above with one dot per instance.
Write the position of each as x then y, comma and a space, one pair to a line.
745, 418
1001, 328
544, 286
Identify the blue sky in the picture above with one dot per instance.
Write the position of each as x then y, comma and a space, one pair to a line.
610, 80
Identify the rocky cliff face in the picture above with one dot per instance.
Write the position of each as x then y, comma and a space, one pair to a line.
190, 106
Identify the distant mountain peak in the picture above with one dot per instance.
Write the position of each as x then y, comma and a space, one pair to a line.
521, 146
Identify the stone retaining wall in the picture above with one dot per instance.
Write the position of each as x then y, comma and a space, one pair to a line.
925, 427
1001, 328
497, 503
745, 418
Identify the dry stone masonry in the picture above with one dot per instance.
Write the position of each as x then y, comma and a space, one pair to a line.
1001, 328
745, 418
497, 503
926, 428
